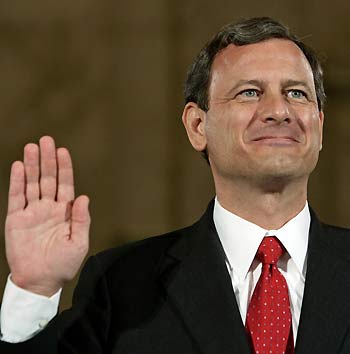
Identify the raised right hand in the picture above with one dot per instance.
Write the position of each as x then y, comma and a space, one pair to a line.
47, 229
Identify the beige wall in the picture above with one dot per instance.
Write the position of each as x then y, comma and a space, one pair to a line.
105, 79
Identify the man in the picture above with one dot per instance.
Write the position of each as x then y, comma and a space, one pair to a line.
258, 273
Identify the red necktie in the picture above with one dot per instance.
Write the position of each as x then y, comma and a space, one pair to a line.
269, 320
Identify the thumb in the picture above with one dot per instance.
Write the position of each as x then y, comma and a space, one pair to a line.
80, 219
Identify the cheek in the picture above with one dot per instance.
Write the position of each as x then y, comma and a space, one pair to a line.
316, 127
220, 131
226, 125
313, 130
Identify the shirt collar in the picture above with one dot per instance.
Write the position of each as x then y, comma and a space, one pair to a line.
241, 238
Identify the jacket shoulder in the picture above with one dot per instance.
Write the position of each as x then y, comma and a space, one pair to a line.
135, 260
341, 231
336, 238
146, 250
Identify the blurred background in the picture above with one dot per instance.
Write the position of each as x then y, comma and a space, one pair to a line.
105, 79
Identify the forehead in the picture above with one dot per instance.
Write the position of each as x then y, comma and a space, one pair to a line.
267, 60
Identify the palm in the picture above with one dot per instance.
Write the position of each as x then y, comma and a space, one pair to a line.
47, 215
46, 229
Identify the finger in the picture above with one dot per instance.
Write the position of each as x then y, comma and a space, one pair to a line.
17, 198
81, 221
65, 191
48, 168
31, 170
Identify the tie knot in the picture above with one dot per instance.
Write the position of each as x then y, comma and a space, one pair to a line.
270, 250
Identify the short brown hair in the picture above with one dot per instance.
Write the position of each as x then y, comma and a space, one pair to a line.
249, 31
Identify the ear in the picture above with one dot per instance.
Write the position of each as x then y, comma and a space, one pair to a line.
193, 119
321, 118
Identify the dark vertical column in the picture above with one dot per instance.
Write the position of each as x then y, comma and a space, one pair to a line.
177, 144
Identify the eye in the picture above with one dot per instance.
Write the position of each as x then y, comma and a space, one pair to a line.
296, 94
249, 93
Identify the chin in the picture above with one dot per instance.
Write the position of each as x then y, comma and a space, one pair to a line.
280, 172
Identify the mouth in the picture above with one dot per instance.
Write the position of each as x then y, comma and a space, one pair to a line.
276, 140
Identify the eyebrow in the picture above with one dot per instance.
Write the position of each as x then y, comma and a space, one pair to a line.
289, 83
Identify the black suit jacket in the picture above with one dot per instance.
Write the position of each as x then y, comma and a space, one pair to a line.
173, 295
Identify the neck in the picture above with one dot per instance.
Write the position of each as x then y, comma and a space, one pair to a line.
269, 205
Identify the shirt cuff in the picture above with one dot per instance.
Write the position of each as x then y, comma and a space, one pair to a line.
23, 314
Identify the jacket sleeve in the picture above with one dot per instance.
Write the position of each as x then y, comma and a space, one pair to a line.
83, 329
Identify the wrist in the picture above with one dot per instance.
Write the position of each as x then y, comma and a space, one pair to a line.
47, 290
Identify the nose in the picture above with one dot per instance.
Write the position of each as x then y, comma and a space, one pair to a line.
274, 108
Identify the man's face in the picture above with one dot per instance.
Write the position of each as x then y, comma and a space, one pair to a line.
263, 120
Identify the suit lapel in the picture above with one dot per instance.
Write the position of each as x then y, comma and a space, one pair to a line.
200, 290
198, 286
325, 311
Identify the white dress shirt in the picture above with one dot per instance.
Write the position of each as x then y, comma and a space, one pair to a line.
23, 314
241, 239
